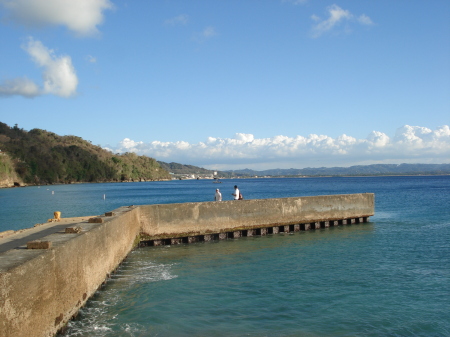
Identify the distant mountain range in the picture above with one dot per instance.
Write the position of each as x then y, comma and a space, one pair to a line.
359, 170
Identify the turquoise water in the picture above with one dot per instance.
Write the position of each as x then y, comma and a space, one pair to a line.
389, 277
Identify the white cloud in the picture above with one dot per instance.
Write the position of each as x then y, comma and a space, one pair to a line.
59, 77
410, 144
206, 34
181, 19
19, 86
365, 20
91, 59
336, 16
80, 16
415, 138
378, 139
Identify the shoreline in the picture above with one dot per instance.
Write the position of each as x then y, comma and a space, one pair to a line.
81, 182
249, 177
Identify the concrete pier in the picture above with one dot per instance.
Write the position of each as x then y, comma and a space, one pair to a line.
42, 288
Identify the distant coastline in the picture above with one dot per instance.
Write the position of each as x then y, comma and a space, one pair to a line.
192, 172
357, 170
10, 184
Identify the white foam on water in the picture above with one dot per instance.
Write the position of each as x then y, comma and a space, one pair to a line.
96, 317
101, 328
132, 329
143, 272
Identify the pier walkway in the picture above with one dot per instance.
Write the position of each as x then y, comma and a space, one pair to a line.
19, 239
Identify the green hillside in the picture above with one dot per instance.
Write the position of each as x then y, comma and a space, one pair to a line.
42, 157
8, 175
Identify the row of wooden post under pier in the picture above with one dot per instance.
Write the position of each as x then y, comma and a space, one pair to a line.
253, 232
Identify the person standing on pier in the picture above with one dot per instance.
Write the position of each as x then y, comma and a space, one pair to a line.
218, 196
236, 193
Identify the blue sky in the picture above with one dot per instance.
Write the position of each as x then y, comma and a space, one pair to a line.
234, 84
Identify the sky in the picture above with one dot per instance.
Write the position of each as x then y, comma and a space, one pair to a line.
232, 84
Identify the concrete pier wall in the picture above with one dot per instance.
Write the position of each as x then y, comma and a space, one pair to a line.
192, 219
41, 289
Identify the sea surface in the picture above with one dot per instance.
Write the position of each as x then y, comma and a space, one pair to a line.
388, 277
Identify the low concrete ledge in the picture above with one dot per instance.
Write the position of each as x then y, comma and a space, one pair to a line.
38, 244
95, 220
73, 230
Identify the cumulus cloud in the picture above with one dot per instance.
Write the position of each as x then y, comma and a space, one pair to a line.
80, 16
409, 144
336, 16
58, 74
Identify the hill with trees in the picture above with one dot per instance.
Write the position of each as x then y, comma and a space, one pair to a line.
42, 157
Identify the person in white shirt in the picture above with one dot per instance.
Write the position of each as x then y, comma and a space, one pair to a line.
236, 193
218, 196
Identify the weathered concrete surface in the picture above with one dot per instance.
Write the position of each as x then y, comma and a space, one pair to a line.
40, 290
191, 219
14, 239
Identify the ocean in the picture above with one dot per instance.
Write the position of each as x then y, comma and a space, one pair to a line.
388, 277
